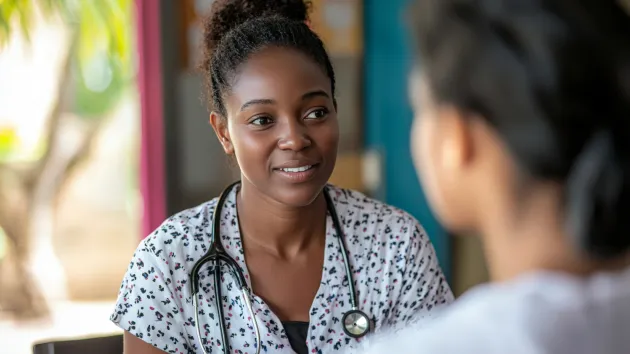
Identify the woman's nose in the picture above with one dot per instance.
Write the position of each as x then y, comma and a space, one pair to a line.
294, 137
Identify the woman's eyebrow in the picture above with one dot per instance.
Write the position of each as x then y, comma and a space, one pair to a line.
269, 101
314, 93
264, 101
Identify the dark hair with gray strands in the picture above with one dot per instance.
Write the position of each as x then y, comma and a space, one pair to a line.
553, 79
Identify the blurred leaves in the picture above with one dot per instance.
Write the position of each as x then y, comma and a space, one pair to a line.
8, 142
104, 28
3, 242
103, 65
99, 87
22, 12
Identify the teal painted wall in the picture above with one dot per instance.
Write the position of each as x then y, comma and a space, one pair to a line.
388, 115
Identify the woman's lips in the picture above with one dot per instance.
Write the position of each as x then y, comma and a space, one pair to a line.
298, 174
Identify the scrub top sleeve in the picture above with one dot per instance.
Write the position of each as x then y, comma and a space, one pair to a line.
149, 305
424, 289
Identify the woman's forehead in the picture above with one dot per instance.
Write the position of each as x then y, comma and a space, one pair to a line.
279, 72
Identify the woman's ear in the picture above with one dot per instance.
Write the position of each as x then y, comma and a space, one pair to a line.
219, 124
456, 144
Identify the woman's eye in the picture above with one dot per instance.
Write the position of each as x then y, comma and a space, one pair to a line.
260, 121
317, 114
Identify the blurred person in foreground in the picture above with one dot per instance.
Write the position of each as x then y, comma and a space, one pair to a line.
522, 136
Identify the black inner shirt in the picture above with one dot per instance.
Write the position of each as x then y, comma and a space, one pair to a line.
297, 333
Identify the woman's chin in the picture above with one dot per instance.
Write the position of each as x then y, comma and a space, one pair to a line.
298, 196
288, 192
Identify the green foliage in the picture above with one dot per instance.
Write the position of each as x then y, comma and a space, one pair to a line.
8, 142
100, 88
103, 67
15, 10
3, 244
22, 13
104, 28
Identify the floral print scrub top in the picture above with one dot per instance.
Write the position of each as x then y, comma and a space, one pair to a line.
393, 264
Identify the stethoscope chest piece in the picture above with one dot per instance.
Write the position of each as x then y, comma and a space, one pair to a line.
356, 323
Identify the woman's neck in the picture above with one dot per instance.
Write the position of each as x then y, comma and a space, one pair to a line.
281, 230
536, 242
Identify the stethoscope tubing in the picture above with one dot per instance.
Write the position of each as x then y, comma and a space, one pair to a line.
344, 252
217, 254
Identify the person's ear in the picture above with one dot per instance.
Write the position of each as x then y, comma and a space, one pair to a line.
219, 124
457, 148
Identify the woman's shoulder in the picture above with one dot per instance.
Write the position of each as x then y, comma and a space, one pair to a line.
191, 219
462, 319
183, 234
358, 207
155, 294
545, 312
163, 259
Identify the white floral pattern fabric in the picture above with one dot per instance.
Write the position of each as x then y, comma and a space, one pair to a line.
393, 265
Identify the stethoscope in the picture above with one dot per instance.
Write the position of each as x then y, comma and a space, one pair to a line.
355, 322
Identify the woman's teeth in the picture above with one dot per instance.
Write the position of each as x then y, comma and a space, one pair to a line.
297, 169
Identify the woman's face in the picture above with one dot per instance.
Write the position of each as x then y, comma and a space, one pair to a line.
439, 154
281, 125
467, 173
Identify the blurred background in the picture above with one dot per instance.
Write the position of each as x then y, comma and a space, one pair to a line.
103, 134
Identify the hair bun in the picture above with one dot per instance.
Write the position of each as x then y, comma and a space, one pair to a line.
228, 14
598, 200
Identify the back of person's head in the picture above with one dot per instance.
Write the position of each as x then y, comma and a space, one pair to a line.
237, 29
552, 80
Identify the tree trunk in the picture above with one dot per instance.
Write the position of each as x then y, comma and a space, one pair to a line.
19, 296
31, 275
44, 264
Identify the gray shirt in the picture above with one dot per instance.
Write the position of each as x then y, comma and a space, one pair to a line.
535, 314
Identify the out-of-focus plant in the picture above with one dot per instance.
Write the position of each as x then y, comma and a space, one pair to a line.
3, 244
102, 61
97, 69
8, 142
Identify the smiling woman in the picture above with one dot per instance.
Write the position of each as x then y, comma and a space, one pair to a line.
283, 127
309, 253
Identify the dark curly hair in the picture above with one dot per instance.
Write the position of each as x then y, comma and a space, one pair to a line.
235, 29
552, 77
